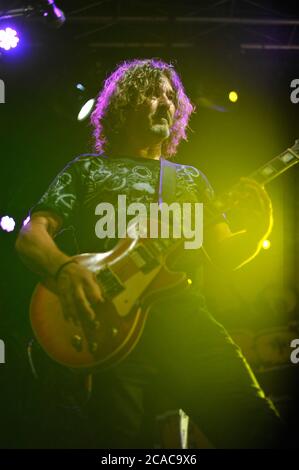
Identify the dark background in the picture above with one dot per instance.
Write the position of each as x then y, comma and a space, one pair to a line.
216, 47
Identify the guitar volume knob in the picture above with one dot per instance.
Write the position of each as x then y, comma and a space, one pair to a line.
114, 332
93, 347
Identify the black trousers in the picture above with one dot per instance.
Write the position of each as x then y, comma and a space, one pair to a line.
183, 354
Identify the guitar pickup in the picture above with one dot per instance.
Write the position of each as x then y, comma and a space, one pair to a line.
109, 282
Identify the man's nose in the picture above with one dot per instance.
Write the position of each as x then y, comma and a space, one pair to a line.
164, 101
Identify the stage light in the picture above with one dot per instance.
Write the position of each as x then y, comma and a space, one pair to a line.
207, 103
52, 13
86, 110
80, 87
233, 96
8, 39
7, 223
266, 244
25, 222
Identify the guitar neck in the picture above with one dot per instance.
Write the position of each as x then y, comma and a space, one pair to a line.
276, 166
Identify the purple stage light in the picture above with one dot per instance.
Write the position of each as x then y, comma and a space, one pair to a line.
8, 39
52, 13
7, 223
25, 222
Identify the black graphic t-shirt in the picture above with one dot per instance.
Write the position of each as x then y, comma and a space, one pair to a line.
92, 179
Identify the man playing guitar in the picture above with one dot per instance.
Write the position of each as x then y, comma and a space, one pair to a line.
141, 114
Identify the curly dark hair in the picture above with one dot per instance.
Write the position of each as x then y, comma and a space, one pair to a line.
127, 87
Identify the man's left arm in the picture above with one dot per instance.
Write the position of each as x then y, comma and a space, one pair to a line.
232, 250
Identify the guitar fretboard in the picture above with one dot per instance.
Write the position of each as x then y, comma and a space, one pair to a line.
277, 165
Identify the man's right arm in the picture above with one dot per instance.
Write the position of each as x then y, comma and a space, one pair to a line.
76, 286
36, 246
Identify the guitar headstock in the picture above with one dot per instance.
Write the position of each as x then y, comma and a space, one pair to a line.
295, 147
265, 173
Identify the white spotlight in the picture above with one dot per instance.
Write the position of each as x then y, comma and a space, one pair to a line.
86, 109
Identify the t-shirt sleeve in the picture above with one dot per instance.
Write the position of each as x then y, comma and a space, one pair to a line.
62, 195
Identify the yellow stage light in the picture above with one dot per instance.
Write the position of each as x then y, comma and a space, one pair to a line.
233, 96
266, 244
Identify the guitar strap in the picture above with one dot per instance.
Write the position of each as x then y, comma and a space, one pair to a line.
167, 185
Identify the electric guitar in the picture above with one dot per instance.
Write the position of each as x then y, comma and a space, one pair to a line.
132, 277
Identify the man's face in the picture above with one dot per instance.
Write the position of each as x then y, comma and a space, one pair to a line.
151, 122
